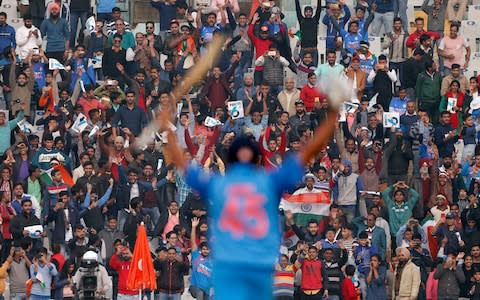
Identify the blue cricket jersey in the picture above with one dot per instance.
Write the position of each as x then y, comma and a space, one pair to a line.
201, 272
243, 206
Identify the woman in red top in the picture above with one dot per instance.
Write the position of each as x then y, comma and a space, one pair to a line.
456, 110
6, 215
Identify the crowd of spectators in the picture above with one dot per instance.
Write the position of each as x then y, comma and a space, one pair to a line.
80, 168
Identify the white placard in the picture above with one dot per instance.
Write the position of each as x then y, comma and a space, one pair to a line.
54, 64
236, 109
451, 103
26, 127
391, 120
80, 123
211, 122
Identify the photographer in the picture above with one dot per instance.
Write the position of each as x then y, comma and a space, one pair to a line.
92, 277
421, 258
81, 242
120, 262
450, 276
383, 80
41, 273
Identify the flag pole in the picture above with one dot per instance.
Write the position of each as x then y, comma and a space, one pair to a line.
139, 294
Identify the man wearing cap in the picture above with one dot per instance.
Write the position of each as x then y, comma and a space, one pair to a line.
367, 64
309, 28
261, 45
300, 117
28, 37
110, 26
446, 228
57, 31
441, 208
357, 77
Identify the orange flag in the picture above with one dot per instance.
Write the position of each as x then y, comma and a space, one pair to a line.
142, 274
67, 178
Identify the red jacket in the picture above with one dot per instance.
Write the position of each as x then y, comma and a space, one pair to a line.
312, 275
348, 290
414, 37
261, 45
7, 214
266, 153
123, 268
308, 95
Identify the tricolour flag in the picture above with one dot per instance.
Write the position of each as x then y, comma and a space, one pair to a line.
142, 274
46, 176
306, 205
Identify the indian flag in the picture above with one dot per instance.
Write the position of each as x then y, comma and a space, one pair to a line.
307, 205
46, 176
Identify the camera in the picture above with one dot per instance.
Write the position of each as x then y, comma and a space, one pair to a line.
18, 101
88, 283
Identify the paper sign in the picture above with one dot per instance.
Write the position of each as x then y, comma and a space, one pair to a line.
34, 229
211, 122
80, 123
451, 103
179, 108
90, 24
26, 127
54, 64
93, 131
350, 107
236, 109
391, 120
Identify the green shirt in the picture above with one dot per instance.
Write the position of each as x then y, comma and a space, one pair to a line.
34, 189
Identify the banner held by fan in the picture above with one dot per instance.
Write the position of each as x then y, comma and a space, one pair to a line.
142, 273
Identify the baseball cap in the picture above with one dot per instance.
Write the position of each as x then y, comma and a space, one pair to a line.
450, 216
264, 28
299, 101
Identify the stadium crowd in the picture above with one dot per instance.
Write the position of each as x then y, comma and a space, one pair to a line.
388, 210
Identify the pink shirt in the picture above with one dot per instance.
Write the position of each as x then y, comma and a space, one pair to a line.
172, 221
456, 47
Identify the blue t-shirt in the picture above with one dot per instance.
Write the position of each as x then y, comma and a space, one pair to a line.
244, 210
398, 105
201, 272
39, 70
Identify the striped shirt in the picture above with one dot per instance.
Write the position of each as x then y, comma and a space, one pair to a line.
283, 281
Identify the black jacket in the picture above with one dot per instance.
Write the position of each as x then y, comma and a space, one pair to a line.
170, 280
19, 222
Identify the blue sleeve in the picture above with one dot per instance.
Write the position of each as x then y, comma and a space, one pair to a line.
399, 234
197, 180
287, 176
13, 123
380, 281
14, 39
86, 202
326, 19
347, 15
157, 5
43, 28
466, 169
335, 192
66, 31
105, 197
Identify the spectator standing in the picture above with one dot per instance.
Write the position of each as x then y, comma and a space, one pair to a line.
57, 31
383, 79
401, 206
78, 11
406, 276
28, 37
427, 89
384, 15
309, 26
450, 276
42, 273
454, 49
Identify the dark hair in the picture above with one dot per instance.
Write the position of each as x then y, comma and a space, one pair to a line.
312, 221
419, 19
382, 57
424, 37
18, 184
455, 66
32, 169
130, 92
62, 193
445, 112
4, 14
88, 163
455, 24
397, 19
203, 244
311, 74
135, 202
350, 270
117, 35
331, 51
169, 234
455, 81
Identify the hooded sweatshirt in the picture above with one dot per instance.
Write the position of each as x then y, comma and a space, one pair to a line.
347, 186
